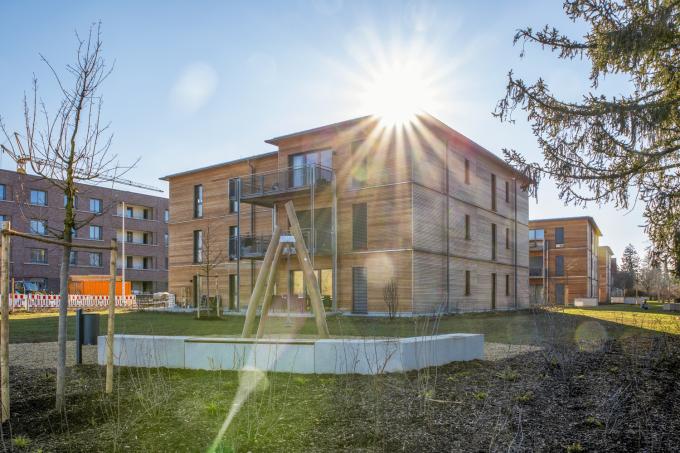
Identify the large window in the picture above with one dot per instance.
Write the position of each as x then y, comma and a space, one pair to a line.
96, 205
559, 266
467, 226
233, 195
3, 192
359, 226
507, 192
38, 197
198, 246
536, 235
507, 238
198, 201
359, 164
493, 291
467, 283
536, 266
38, 227
507, 284
95, 233
233, 242
73, 258
166, 216
95, 259
359, 290
493, 241
39, 256
559, 235
493, 192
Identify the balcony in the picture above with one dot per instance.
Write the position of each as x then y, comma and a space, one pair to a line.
536, 244
264, 187
255, 246
535, 272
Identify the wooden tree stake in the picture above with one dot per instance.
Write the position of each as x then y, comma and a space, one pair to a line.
112, 312
269, 292
4, 327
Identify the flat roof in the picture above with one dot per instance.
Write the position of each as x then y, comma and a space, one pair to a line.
583, 217
221, 164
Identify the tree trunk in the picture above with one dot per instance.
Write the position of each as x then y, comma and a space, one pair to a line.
61, 338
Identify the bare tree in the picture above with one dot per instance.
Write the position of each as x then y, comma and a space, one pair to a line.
212, 256
68, 147
391, 298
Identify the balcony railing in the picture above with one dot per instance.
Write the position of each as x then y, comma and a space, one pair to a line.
535, 272
284, 180
255, 246
536, 244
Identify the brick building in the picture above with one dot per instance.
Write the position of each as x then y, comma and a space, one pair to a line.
34, 205
566, 261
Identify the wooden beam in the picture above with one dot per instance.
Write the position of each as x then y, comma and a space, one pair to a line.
112, 312
4, 328
269, 292
308, 272
256, 295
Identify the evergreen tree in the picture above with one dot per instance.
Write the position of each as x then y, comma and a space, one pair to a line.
611, 149
630, 265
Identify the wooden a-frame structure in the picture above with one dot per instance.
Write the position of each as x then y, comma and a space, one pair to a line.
264, 285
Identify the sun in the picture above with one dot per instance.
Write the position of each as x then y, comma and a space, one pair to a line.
398, 88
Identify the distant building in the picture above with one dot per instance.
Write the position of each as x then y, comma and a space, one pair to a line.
34, 205
566, 261
442, 216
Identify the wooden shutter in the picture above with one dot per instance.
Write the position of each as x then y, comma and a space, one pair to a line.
359, 290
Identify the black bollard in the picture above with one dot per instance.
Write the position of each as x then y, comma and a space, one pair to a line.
79, 336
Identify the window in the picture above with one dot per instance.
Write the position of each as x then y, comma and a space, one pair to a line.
233, 195
166, 239
467, 283
73, 258
129, 236
4, 218
39, 256
95, 233
166, 216
467, 226
198, 201
74, 233
359, 226
493, 192
536, 235
75, 201
3, 192
507, 238
96, 205
493, 291
147, 262
507, 192
198, 246
493, 241
467, 171
359, 165
559, 266
536, 266
507, 284
95, 259
146, 214
233, 242
39, 197
359, 290
559, 235
129, 262
38, 227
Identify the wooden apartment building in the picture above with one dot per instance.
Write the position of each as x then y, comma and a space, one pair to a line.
566, 261
420, 205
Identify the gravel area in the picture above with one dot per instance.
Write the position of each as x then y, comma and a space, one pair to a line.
44, 355
501, 351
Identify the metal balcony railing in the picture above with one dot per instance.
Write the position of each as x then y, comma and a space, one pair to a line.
255, 246
535, 272
284, 180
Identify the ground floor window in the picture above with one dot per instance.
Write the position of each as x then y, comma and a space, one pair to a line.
298, 288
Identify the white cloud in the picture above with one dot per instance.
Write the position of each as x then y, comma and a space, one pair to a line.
194, 87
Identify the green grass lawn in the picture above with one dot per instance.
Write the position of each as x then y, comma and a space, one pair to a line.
522, 327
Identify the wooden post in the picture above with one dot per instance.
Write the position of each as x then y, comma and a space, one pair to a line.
260, 282
4, 326
269, 292
308, 271
112, 312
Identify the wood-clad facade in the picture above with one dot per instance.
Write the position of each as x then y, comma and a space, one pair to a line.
566, 261
421, 205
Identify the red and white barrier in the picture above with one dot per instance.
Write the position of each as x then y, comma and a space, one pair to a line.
33, 301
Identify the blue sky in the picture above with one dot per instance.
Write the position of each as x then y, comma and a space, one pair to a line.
201, 82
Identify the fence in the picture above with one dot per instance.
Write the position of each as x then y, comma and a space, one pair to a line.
32, 301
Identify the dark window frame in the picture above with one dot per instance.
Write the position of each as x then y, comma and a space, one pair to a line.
359, 232
30, 199
99, 203
44, 254
232, 192
507, 238
559, 265
199, 195
467, 227
559, 235
494, 206
198, 247
467, 171
468, 289
494, 242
